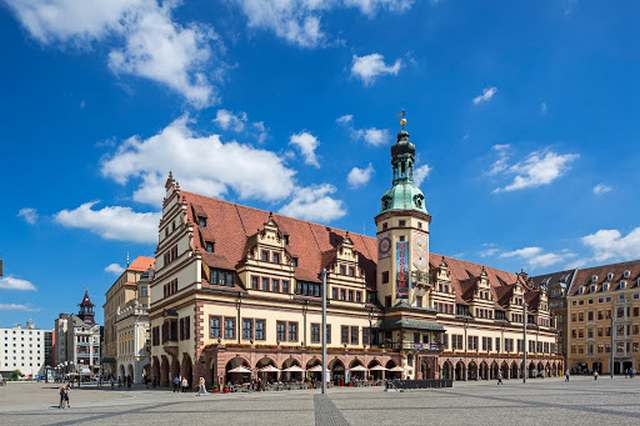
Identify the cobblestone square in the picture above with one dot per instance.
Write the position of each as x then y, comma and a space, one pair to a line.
550, 401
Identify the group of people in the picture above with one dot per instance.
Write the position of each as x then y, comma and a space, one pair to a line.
64, 390
181, 384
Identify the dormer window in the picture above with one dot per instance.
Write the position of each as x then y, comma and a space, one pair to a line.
202, 221
623, 284
264, 255
605, 287
276, 258
627, 274
294, 261
581, 290
209, 246
610, 276
594, 278
593, 288
286, 240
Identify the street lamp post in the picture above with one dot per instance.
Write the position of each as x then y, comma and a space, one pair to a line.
324, 330
524, 343
613, 342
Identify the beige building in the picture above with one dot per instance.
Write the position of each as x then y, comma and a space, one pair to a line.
121, 292
132, 330
237, 293
603, 312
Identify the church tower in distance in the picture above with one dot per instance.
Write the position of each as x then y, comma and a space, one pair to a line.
402, 229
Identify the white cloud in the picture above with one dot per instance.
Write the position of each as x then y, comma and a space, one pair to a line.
501, 164
601, 188
372, 136
369, 67
149, 43
537, 169
112, 222
12, 283
227, 120
16, 307
29, 215
487, 94
489, 250
299, 21
345, 119
358, 177
421, 173
307, 144
114, 269
543, 108
262, 131
202, 164
609, 244
535, 257
314, 203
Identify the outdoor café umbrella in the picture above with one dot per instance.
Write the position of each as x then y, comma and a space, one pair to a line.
268, 369
397, 369
240, 370
377, 368
295, 369
358, 368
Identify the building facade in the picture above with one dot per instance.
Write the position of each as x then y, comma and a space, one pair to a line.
132, 331
78, 339
23, 348
121, 292
237, 293
603, 312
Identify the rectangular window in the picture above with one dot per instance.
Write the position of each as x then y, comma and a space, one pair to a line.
315, 333
261, 329
366, 336
344, 335
281, 331
276, 257
351, 296
247, 329
343, 270
293, 331
355, 335
385, 277
387, 301
214, 327
334, 293
265, 284
285, 286
497, 344
264, 255
275, 285
328, 334
254, 282
229, 328
359, 297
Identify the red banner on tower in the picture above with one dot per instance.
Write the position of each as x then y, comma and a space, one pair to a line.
402, 263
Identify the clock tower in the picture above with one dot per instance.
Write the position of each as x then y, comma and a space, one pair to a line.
402, 229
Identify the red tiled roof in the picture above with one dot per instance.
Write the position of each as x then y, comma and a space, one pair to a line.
142, 263
229, 225
584, 276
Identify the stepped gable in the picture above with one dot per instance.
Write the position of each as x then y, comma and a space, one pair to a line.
229, 225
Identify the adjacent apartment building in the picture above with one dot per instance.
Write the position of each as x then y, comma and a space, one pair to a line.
24, 348
237, 293
78, 339
132, 331
122, 291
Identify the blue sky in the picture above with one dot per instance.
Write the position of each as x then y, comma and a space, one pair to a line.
524, 114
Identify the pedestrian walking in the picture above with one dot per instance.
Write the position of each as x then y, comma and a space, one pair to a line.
566, 376
500, 377
185, 384
595, 375
61, 391
202, 390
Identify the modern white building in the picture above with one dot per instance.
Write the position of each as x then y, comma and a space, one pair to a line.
23, 348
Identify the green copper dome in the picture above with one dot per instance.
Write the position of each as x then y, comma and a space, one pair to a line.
404, 194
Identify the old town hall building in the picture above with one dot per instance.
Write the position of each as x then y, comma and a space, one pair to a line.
237, 293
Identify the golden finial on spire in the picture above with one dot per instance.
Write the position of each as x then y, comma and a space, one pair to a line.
403, 118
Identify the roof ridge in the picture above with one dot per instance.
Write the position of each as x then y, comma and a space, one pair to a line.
244, 206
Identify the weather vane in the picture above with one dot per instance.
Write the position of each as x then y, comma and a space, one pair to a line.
403, 118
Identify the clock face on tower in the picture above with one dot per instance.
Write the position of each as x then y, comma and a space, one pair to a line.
384, 246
